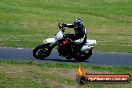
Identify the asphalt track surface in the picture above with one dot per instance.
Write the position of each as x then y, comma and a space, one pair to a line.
98, 58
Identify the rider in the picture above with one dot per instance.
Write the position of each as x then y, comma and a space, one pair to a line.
79, 38
80, 30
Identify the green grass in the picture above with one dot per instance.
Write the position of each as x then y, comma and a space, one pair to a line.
14, 74
25, 23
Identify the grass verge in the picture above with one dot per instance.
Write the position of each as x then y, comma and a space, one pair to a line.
14, 74
25, 23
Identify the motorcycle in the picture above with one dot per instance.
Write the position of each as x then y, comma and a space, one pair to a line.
66, 46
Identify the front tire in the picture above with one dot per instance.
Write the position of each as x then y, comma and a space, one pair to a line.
42, 51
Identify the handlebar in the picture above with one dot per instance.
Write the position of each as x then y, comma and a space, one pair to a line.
61, 26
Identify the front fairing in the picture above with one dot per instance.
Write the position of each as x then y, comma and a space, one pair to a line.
49, 40
59, 36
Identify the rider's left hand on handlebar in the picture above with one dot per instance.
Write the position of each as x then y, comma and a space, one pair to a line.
59, 25
63, 24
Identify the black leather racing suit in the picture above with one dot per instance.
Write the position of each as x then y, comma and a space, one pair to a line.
80, 36
80, 32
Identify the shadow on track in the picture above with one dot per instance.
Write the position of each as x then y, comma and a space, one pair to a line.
62, 60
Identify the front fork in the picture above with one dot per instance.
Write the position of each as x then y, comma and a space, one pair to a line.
53, 45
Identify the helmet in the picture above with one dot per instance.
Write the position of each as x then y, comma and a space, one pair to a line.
78, 23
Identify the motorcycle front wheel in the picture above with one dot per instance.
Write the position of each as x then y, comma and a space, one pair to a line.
42, 51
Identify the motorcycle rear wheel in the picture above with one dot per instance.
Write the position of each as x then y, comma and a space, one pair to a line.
82, 56
42, 51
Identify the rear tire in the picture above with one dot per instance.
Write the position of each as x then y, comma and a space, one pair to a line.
82, 56
42, 51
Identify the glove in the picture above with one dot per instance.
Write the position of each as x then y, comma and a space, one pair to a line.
60, 25
63, 24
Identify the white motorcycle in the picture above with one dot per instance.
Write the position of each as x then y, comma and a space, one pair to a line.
66, 46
